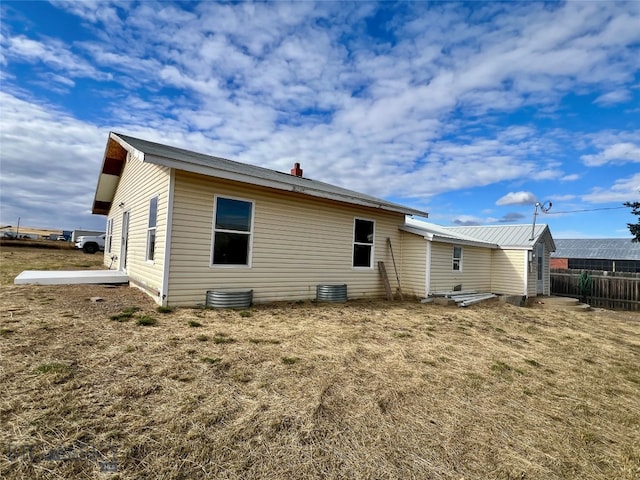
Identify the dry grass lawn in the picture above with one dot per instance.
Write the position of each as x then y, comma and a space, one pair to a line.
362, 390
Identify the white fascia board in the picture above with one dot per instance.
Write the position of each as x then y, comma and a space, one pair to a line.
416, 231
459, 241
133, 152
239, 177
436, 237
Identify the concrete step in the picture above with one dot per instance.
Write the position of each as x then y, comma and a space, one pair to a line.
561, 303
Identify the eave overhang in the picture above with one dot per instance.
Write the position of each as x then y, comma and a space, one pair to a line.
116, 155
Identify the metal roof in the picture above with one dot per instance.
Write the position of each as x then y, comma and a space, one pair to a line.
187, 160
597, 248
506, 236
437, 233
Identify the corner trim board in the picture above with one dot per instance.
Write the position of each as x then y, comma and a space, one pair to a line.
164, 287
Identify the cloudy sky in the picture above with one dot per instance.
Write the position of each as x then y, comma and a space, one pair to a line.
471, 111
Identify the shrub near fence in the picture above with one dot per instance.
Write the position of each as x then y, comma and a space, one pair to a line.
614, 290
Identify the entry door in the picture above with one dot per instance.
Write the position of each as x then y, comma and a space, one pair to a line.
124, 241
540, 262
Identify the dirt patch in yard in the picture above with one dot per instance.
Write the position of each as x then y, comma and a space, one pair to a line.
366, 389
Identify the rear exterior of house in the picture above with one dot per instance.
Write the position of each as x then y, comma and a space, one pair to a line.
180, 228
295, 243
521, 263
500, 259
436, 261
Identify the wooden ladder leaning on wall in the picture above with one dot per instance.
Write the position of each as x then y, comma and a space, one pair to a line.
385, 277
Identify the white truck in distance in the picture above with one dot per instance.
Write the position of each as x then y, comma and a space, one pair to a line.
90, 244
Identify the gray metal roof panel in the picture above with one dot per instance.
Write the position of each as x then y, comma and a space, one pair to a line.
597, 248
503, 235
301, 184
420, 227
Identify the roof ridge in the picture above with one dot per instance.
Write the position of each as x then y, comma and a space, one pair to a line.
498, 226
204, 163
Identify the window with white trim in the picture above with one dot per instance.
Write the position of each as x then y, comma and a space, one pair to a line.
457, 259
363, 243
232, 232
109, 236
151, 229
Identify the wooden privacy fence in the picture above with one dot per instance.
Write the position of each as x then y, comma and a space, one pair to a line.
614, 290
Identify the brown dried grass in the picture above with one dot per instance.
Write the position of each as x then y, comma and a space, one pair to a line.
362, 390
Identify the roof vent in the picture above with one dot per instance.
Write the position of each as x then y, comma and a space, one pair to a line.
296, 170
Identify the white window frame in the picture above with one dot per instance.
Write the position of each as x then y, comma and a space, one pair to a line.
151, 228
372, 244
109, 236
455, 259
249, 233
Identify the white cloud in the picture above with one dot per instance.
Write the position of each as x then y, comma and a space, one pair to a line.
614, 97
517, 198
511, 217
47, 178
562, 198
623, 190
616, 153
570, 178
273, 83
467, 220
53, 53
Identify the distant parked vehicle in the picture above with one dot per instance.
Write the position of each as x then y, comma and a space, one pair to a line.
62, 238
90, 244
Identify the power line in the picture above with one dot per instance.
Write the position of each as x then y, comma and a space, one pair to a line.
586, 210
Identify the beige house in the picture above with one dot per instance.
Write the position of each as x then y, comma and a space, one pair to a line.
501, 259
180, 223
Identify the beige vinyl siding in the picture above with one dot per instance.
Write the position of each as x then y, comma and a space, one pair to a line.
508, 272
138, 184
533, 275
475, 273
298, 242
413, 264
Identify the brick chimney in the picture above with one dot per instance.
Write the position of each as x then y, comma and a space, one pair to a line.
296, 170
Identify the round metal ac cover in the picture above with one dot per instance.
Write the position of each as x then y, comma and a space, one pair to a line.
229, 298
331, 293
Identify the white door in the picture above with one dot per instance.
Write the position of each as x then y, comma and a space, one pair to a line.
540, 264
124, 241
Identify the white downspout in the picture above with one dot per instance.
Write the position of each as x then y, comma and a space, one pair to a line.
427, 280
526, 271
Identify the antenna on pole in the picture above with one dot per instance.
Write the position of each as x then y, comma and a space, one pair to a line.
544, 208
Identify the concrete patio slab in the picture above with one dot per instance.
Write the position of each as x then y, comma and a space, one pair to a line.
70, 277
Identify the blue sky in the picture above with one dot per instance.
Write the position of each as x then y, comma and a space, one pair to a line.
470, 111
